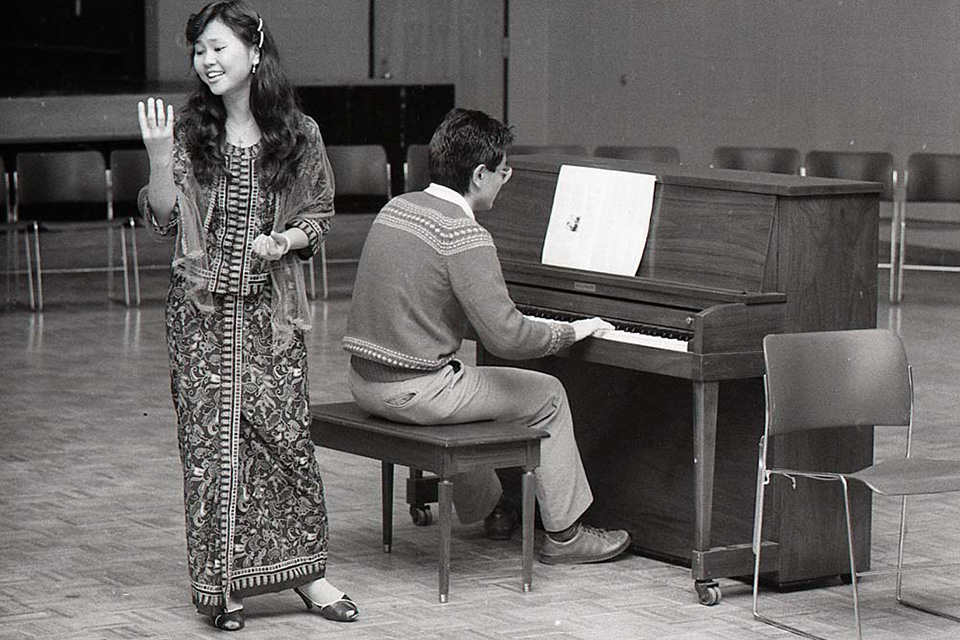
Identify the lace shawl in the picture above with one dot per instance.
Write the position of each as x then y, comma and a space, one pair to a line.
307, 204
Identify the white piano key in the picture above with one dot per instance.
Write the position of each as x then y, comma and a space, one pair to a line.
643, 339
630, 337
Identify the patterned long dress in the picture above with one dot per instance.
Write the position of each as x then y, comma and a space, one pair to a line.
253, 496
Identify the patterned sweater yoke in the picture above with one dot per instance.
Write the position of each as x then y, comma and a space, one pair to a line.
444, 234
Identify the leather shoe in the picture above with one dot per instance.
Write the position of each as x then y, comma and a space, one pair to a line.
589, 544
342, 610
501, 522
228, 620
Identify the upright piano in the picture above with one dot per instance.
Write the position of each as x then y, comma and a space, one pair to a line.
669, 426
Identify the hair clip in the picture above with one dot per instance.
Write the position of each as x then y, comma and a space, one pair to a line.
260, 31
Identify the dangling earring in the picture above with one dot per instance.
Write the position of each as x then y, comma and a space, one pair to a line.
253, 69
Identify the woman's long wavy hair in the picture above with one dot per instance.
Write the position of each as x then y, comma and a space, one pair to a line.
272, 101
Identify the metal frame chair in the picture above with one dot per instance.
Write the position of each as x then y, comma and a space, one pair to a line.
762, 159
665, 155
128, 172
929, 177
31, 254
31, 251
869, 166
72, 177
358, 170
846, 379
416, 168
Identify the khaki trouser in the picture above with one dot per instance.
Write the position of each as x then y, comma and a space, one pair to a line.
462, 393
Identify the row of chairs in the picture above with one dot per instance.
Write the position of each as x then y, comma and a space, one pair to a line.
364, 171
416, 173
927, 178
645, 153
70, 178
84, 179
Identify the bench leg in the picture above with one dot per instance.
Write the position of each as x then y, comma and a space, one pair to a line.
445, 496
386, 481
529, 492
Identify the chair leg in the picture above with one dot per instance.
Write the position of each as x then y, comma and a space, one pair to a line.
110, 259
39, 266
902, 246
445, 495
894, 249
900, 542
853, 567
758, 524
136, 262
126, 265
28, 253
757, 532
528, 484
900, 545
386, 484
323, 269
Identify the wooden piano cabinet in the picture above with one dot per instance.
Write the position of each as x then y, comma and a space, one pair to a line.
636, 437
670, 440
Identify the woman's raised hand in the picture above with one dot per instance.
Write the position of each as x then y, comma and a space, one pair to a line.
156, 129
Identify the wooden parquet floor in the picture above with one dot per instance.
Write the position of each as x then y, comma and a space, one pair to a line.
91, 529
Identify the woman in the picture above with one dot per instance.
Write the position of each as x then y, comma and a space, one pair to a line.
243, 182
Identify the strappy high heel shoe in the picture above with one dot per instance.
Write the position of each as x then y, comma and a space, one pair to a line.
229, 620
342, 610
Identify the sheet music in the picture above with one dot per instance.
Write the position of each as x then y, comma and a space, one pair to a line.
600, 219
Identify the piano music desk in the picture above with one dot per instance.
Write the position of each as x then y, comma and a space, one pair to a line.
445, 450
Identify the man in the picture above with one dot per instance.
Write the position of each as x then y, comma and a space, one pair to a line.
427, 270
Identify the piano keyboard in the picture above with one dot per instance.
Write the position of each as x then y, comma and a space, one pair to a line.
624, 332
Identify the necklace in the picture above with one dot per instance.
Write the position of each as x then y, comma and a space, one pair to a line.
238, 137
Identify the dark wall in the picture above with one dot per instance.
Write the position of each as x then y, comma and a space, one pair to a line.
394, 116
56, 45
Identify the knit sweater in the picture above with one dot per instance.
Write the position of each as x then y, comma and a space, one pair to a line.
427, 273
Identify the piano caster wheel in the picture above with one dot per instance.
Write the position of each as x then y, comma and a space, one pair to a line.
708, 591
421, 516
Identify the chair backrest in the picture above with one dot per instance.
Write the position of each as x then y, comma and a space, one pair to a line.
360, 170
129, 172
869, 166
762, 159
5, 193
836, 379
933, 177
548, 149
666, 155
60, 176
416, 168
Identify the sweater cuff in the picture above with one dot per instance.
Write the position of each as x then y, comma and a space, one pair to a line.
563, 336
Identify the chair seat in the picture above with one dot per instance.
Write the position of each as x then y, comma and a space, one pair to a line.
909, 476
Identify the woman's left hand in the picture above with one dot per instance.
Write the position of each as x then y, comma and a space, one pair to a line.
271, 247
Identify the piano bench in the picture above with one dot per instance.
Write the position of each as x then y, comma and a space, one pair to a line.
444, 450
